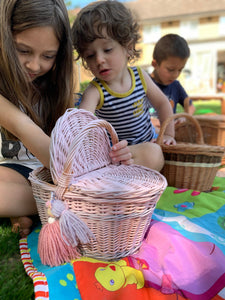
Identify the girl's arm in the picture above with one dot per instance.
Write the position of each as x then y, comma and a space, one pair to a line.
20, 125
162, 106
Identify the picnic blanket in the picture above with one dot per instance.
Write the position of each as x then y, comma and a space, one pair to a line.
182, 256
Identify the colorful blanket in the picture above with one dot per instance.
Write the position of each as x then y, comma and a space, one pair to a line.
182, 257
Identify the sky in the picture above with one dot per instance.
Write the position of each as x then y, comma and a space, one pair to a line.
82, 3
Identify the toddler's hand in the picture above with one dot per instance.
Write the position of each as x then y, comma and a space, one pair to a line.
121, 153
180, 120
169, 140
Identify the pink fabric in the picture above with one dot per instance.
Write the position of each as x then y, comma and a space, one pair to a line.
169, 260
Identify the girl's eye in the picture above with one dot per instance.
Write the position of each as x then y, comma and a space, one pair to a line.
49, 57
22, 51
108, 50
89, 56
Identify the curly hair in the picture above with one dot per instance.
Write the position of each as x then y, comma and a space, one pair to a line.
111, 15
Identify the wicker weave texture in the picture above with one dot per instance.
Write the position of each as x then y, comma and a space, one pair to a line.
116, 202
190, 165
213, 128
72, 142
186, 132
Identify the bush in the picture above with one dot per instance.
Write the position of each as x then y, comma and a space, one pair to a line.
83, 85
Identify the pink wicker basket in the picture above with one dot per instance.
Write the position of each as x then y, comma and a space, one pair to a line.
116, 202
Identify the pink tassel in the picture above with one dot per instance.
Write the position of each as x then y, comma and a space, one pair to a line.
52, 248
73, 230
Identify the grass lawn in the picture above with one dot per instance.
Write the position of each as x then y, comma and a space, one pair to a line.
204, 107
14, 283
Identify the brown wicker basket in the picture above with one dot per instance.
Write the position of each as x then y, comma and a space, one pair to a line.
188, 165
116, 202
213, 129
212, 125
186, 132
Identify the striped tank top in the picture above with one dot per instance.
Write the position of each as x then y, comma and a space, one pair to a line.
128, 113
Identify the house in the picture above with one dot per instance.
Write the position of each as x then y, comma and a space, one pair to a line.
201, 23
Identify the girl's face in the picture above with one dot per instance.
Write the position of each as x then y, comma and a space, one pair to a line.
169, 69
106, 59
37, 49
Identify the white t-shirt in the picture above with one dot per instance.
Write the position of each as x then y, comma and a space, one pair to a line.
15, 152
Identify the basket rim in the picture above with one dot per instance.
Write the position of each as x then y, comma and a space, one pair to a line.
123, 169
188, 148
210, 117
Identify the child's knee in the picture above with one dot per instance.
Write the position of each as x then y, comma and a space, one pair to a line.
149, 155
155, 156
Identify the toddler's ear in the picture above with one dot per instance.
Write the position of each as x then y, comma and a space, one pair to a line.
154, 63
130, 49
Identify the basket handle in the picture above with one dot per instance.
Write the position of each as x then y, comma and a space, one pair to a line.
76, 143
65, 179
199, 139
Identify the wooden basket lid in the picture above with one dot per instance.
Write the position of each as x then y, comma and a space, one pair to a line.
189, 148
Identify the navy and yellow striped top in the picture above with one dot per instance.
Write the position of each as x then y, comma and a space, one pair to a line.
128, 113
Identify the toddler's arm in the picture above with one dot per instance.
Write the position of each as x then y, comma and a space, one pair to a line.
120, 151
90, 99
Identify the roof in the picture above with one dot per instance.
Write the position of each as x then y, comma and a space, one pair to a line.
174, 9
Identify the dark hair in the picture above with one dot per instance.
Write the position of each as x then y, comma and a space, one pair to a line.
171, 45
52, 92
110, 15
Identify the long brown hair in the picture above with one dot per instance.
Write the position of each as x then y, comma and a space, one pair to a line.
47, 98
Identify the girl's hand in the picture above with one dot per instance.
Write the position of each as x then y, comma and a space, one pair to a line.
121, 153
168, 140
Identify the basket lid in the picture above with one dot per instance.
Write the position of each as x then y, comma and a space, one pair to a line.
216, 121
119, 183
79, 144
197, 148
80, 160
207, 117
194, 149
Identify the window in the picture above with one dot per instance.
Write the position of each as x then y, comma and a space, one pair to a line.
222, 26
151, 33
189, 29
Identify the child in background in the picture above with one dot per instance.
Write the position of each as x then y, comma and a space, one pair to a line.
36, 87
105, 36
170, 55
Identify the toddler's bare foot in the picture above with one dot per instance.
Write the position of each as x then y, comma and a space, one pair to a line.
21, 225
